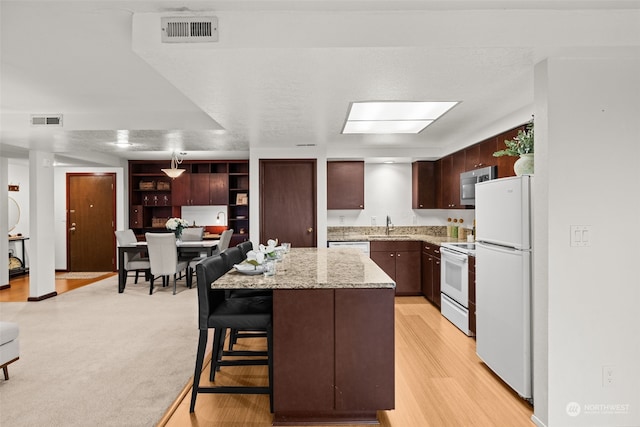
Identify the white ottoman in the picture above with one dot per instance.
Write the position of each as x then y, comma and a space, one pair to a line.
9, 346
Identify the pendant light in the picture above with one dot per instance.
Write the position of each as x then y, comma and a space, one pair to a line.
174, 172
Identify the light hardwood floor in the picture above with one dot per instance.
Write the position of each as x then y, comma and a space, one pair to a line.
19, 290
440, 382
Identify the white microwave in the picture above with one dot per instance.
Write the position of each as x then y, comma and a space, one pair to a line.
468, 182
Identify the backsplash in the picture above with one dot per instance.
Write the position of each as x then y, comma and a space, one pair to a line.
432, 230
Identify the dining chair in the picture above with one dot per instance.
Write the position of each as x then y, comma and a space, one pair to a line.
225, 240
223, 244
163, 257
132, 262
216, 311
191, 234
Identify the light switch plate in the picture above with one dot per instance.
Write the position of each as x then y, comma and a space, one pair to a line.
580, 235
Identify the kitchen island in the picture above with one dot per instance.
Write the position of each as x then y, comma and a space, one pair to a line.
333, 326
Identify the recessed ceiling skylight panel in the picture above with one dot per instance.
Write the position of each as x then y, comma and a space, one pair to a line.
388, 117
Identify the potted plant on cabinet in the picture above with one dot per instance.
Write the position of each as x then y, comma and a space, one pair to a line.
521, 145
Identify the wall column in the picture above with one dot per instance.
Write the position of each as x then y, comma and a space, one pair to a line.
42, 271
4, 208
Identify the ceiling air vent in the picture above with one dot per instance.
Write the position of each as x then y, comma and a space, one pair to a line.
46, 120
189, 29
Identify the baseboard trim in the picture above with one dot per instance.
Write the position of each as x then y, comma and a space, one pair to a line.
537, 421
43, 297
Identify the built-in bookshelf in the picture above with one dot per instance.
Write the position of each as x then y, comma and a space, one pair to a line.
154, 197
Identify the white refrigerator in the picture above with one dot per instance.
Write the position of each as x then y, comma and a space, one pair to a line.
503, 280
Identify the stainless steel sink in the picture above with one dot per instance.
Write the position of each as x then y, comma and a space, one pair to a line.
390, 236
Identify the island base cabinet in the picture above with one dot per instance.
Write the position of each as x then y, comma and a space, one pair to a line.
364, 348
303, 350
333, 355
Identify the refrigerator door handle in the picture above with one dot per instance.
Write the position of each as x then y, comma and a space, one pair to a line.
498, 248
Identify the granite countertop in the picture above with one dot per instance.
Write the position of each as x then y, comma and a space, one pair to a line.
432, 234
314, 268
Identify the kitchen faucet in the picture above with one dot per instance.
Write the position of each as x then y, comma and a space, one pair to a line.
389, 225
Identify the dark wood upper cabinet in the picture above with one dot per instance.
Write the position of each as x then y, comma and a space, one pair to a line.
505, 163
451, 168
480, 155
424, 182
476, 156
486, 149
199, 191
345, 185
181, 190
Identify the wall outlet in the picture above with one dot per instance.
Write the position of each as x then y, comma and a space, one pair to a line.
341, 219
373, 220
608, 376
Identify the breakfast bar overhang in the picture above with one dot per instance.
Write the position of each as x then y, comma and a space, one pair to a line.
333, 327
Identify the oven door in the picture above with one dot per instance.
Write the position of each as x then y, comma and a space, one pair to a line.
454, 280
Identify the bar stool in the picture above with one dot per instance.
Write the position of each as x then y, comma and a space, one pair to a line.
232, 256
221, 313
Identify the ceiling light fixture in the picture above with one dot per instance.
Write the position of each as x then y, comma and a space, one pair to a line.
123, 137
388, 117
174, 172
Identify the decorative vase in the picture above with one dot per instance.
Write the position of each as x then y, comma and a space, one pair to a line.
178, 233
524, 165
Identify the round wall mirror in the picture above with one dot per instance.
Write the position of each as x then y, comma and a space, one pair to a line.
14, 213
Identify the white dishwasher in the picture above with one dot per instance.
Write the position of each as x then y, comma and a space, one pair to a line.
362, 246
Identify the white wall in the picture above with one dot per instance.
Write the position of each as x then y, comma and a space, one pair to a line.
587, 113
60, 206
387, 191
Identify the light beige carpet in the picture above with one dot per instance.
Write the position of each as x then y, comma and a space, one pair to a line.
93, 357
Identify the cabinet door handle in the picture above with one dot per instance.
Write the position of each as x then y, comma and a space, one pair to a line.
398, 255
391, 254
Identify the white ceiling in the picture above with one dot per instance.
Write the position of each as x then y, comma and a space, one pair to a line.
283, 72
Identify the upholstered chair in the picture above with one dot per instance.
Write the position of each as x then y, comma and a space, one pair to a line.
132, 262
163, 257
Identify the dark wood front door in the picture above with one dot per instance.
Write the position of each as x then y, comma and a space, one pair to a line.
288, 201
91, 212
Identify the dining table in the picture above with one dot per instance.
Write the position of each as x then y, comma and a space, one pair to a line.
184, 248
333, 335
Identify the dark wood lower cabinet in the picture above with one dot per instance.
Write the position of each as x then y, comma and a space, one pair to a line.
333, 355
400, 259
431, 272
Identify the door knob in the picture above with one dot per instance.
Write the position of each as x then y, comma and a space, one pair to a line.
72, 229
310, 229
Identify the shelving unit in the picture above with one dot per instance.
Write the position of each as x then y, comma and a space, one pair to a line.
23, 269
238, 208
154, 197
